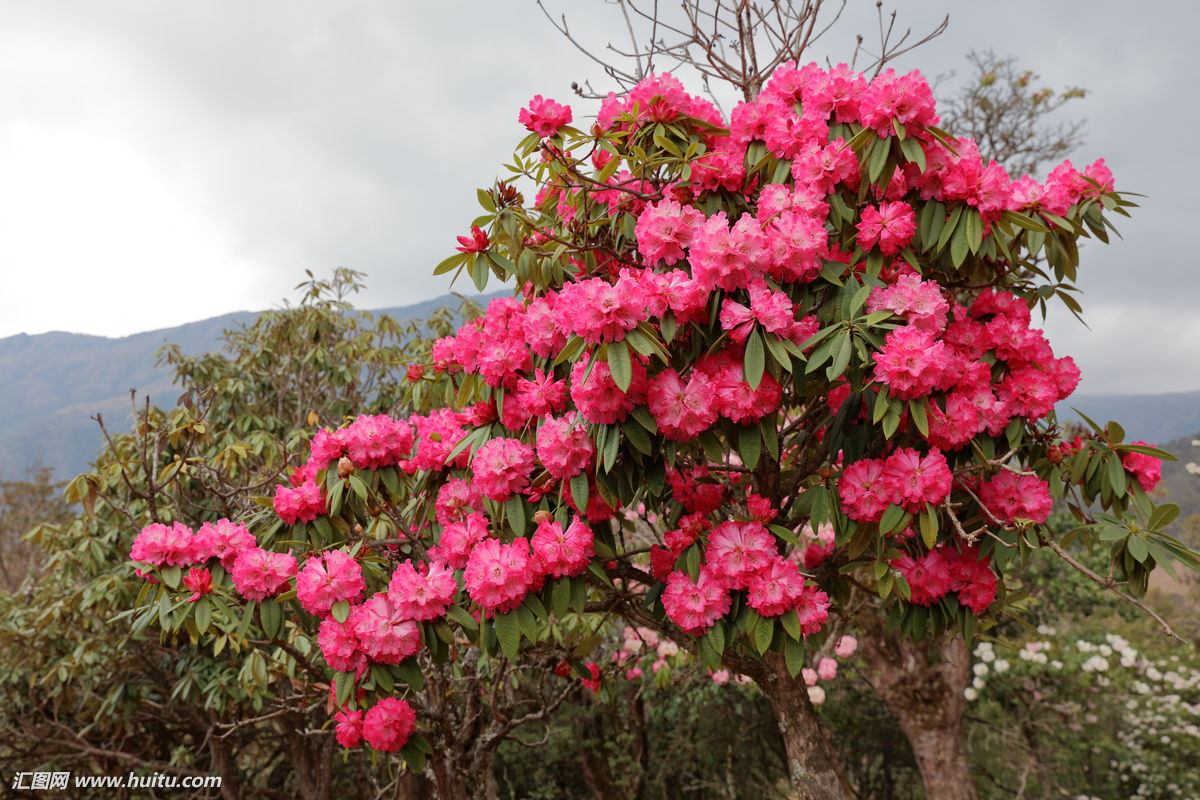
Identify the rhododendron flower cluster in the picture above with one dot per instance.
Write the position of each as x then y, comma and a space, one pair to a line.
259, 574
905, 478
388, 724
944, 570
544, 117
328, 579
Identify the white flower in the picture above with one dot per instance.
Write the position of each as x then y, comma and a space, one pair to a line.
980, 669
1000, 666
816, 694
979, 683
970, 694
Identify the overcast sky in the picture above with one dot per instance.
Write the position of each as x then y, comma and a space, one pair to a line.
162, 163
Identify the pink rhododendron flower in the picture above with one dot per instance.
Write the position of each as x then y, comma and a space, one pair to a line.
423, 592
165, 546
224, 540
456, 499
891, 226
600, 311
502, 467
776, 588
665, 231
564, 447
458, 539
864, 491
349, 727
560, 552
598, 398
1146, 469
918, 301
302, 504
827, 669
388, 724
738, 550
682, 410
385, 633
913, 480
259, 574
1009, 496
199, 582
694, 607
339, 645
498, 575
911, 362
475, 243
544, 117
327, 579
846, 646
896, 99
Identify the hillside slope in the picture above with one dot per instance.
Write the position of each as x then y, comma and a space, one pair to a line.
57, 381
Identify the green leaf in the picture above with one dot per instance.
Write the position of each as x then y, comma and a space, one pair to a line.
411, 674
270, 616
579, 595
755, 360
340, 610
891, 518
1137, 548
462, 617
959, 245
645, 418
749, 445
383, 678
920, 414
764, 632
560, 597
878, 160
620, 365
580, 491
203, 611
842, 359
929, 526
612, 445
345, 687
793, 651
170, 576
514, 512
508, 633
974, 229
636, 434
791, 623
716, 637
414, 759
1116, 475
450, 263
479, 273
949, 229
1025, 221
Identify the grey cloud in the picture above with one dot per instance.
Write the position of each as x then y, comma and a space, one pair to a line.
316, 135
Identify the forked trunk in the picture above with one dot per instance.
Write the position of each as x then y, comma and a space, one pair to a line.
812, 768
922, 686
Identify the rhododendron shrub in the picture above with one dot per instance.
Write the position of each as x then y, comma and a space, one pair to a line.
816, 316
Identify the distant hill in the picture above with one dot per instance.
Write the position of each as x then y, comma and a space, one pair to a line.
1181, 487
55, 382
1154, 418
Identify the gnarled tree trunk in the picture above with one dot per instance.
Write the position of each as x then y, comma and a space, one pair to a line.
812, 768
922, 686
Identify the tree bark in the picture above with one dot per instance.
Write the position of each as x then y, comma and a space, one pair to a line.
812, 768
922, 686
